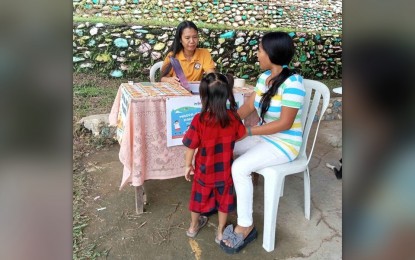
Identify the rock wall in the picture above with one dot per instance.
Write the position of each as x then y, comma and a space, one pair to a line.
307, 15
130, 50
334, 110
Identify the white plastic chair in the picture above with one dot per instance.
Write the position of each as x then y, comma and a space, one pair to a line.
154, 69
274, 176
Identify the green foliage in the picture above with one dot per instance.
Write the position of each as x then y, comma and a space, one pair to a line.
87, 91
332, 83
81, 249
90, 98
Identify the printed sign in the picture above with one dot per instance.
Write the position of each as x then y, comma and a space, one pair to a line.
179, 114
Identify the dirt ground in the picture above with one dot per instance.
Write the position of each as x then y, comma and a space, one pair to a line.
118, 232
159, 233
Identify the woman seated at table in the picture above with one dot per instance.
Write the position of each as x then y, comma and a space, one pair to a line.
194, 61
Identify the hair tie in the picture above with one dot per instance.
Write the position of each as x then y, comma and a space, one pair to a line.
285, 66
249, 131
226, 78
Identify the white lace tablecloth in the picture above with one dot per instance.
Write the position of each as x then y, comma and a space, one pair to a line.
142, 136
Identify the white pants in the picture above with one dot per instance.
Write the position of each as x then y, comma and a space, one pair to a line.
254, 154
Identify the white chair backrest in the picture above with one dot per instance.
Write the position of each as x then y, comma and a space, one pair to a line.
154, 69
314, 91
274, 176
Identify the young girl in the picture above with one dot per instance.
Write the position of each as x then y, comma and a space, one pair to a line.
213, 132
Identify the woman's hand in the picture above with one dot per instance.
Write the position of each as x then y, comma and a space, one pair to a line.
171, 80
248, 107
188, 170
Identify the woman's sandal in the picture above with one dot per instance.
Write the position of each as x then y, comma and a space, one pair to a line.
236, 240
202, 222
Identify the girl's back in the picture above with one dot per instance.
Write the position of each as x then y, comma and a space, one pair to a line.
214, 131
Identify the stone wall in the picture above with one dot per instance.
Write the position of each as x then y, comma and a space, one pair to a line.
306, 15
130, 50
334, 110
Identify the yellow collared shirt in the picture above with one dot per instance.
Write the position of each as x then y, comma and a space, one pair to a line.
194, 69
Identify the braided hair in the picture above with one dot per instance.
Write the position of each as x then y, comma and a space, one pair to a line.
280, 49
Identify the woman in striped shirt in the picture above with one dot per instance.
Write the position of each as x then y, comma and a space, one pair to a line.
278, 100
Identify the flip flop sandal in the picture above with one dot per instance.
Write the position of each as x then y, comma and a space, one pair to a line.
237, 241
217, 241
202, 222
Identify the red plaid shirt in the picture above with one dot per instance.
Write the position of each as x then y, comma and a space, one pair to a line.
215, 145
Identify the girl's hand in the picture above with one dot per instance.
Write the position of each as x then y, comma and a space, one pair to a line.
188, 169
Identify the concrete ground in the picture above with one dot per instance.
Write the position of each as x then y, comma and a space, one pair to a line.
159, 233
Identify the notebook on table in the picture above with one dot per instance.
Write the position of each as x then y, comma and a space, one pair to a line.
192, 86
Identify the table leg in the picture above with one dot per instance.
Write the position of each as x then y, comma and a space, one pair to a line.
255, 177
144, 195
140, 199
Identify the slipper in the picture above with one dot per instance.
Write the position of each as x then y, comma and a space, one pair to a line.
237, 241
202, 222
217, 241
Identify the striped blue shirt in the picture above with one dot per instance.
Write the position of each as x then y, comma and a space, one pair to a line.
290, 94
